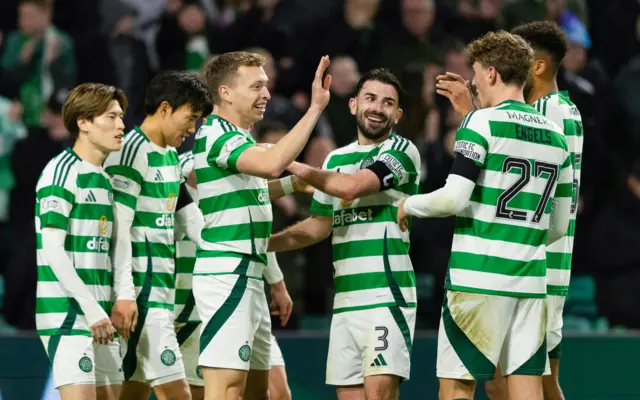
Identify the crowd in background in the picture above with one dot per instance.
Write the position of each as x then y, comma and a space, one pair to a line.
48, 46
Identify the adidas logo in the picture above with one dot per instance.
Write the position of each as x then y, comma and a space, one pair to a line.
91, 198
379, 361
159, 176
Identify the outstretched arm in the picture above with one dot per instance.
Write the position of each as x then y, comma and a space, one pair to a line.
271, 162
345, 186
303, 234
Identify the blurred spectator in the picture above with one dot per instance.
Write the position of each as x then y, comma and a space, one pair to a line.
11, 130
407, 49
262, 26
28, 159
345, 74
475, 18
37, 58
186, 38
351, 30
123, 25
516, 12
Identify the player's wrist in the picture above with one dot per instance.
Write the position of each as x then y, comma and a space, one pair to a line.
287, 184
279, 286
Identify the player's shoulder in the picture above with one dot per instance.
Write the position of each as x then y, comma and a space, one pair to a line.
400, 144
478, 120
134, 145
216, 126
61, 170
187, 162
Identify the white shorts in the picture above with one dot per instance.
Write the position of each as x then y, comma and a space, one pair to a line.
276, 355
189, 341
236, 324
479, 330
152, 353
370, 342
555, 304
77, 360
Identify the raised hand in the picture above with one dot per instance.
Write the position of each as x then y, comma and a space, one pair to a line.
320, 94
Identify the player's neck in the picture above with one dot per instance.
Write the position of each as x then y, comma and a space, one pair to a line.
232, 116
89, 152
542, 89
365, 141
152, 128
507, 93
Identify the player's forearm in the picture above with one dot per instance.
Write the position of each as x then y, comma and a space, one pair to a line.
54, 253
444, 202
122, 253
278, 157
280, 187
343, 186
559, 218
301, 235
272, 273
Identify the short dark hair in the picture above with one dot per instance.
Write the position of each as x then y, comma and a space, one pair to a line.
382, 75
177, 88
545, 36
87, 101
509, 54
220, 69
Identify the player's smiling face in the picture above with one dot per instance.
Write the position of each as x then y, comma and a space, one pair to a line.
249, 93
376, 109
105, 132
178, 124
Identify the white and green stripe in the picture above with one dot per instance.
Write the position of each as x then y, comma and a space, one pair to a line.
559, 108
499, 239
185, 310
75, 196
370, 252
236, 206
146, 178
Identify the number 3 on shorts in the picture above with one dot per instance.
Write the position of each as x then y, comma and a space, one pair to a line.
382, 338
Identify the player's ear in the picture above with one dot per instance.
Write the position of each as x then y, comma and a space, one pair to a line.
165, 108
83, 124
539, 67
224, 93
352, 105
398, 115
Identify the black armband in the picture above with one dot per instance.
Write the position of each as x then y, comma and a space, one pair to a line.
465, 167
184, 198
384, 174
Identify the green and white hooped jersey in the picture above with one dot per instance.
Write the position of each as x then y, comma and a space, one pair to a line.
146, 178
371, 260
499, 242
559, 108
75, 196
185, 310
236, 206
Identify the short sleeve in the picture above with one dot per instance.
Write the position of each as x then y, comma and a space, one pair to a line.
322, 203
227, 148
127, 169
395, 154
56, 194
470, 142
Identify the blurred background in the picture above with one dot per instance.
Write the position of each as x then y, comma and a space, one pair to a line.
49, 46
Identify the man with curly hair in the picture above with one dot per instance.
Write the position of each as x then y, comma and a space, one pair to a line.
510, 188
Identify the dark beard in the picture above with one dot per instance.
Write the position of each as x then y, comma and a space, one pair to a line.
373, 134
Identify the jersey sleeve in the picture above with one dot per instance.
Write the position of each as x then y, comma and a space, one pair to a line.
471, 139
56, 195
127, 174
565, 187
322, 203
227, 148
396, 164
187, 163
